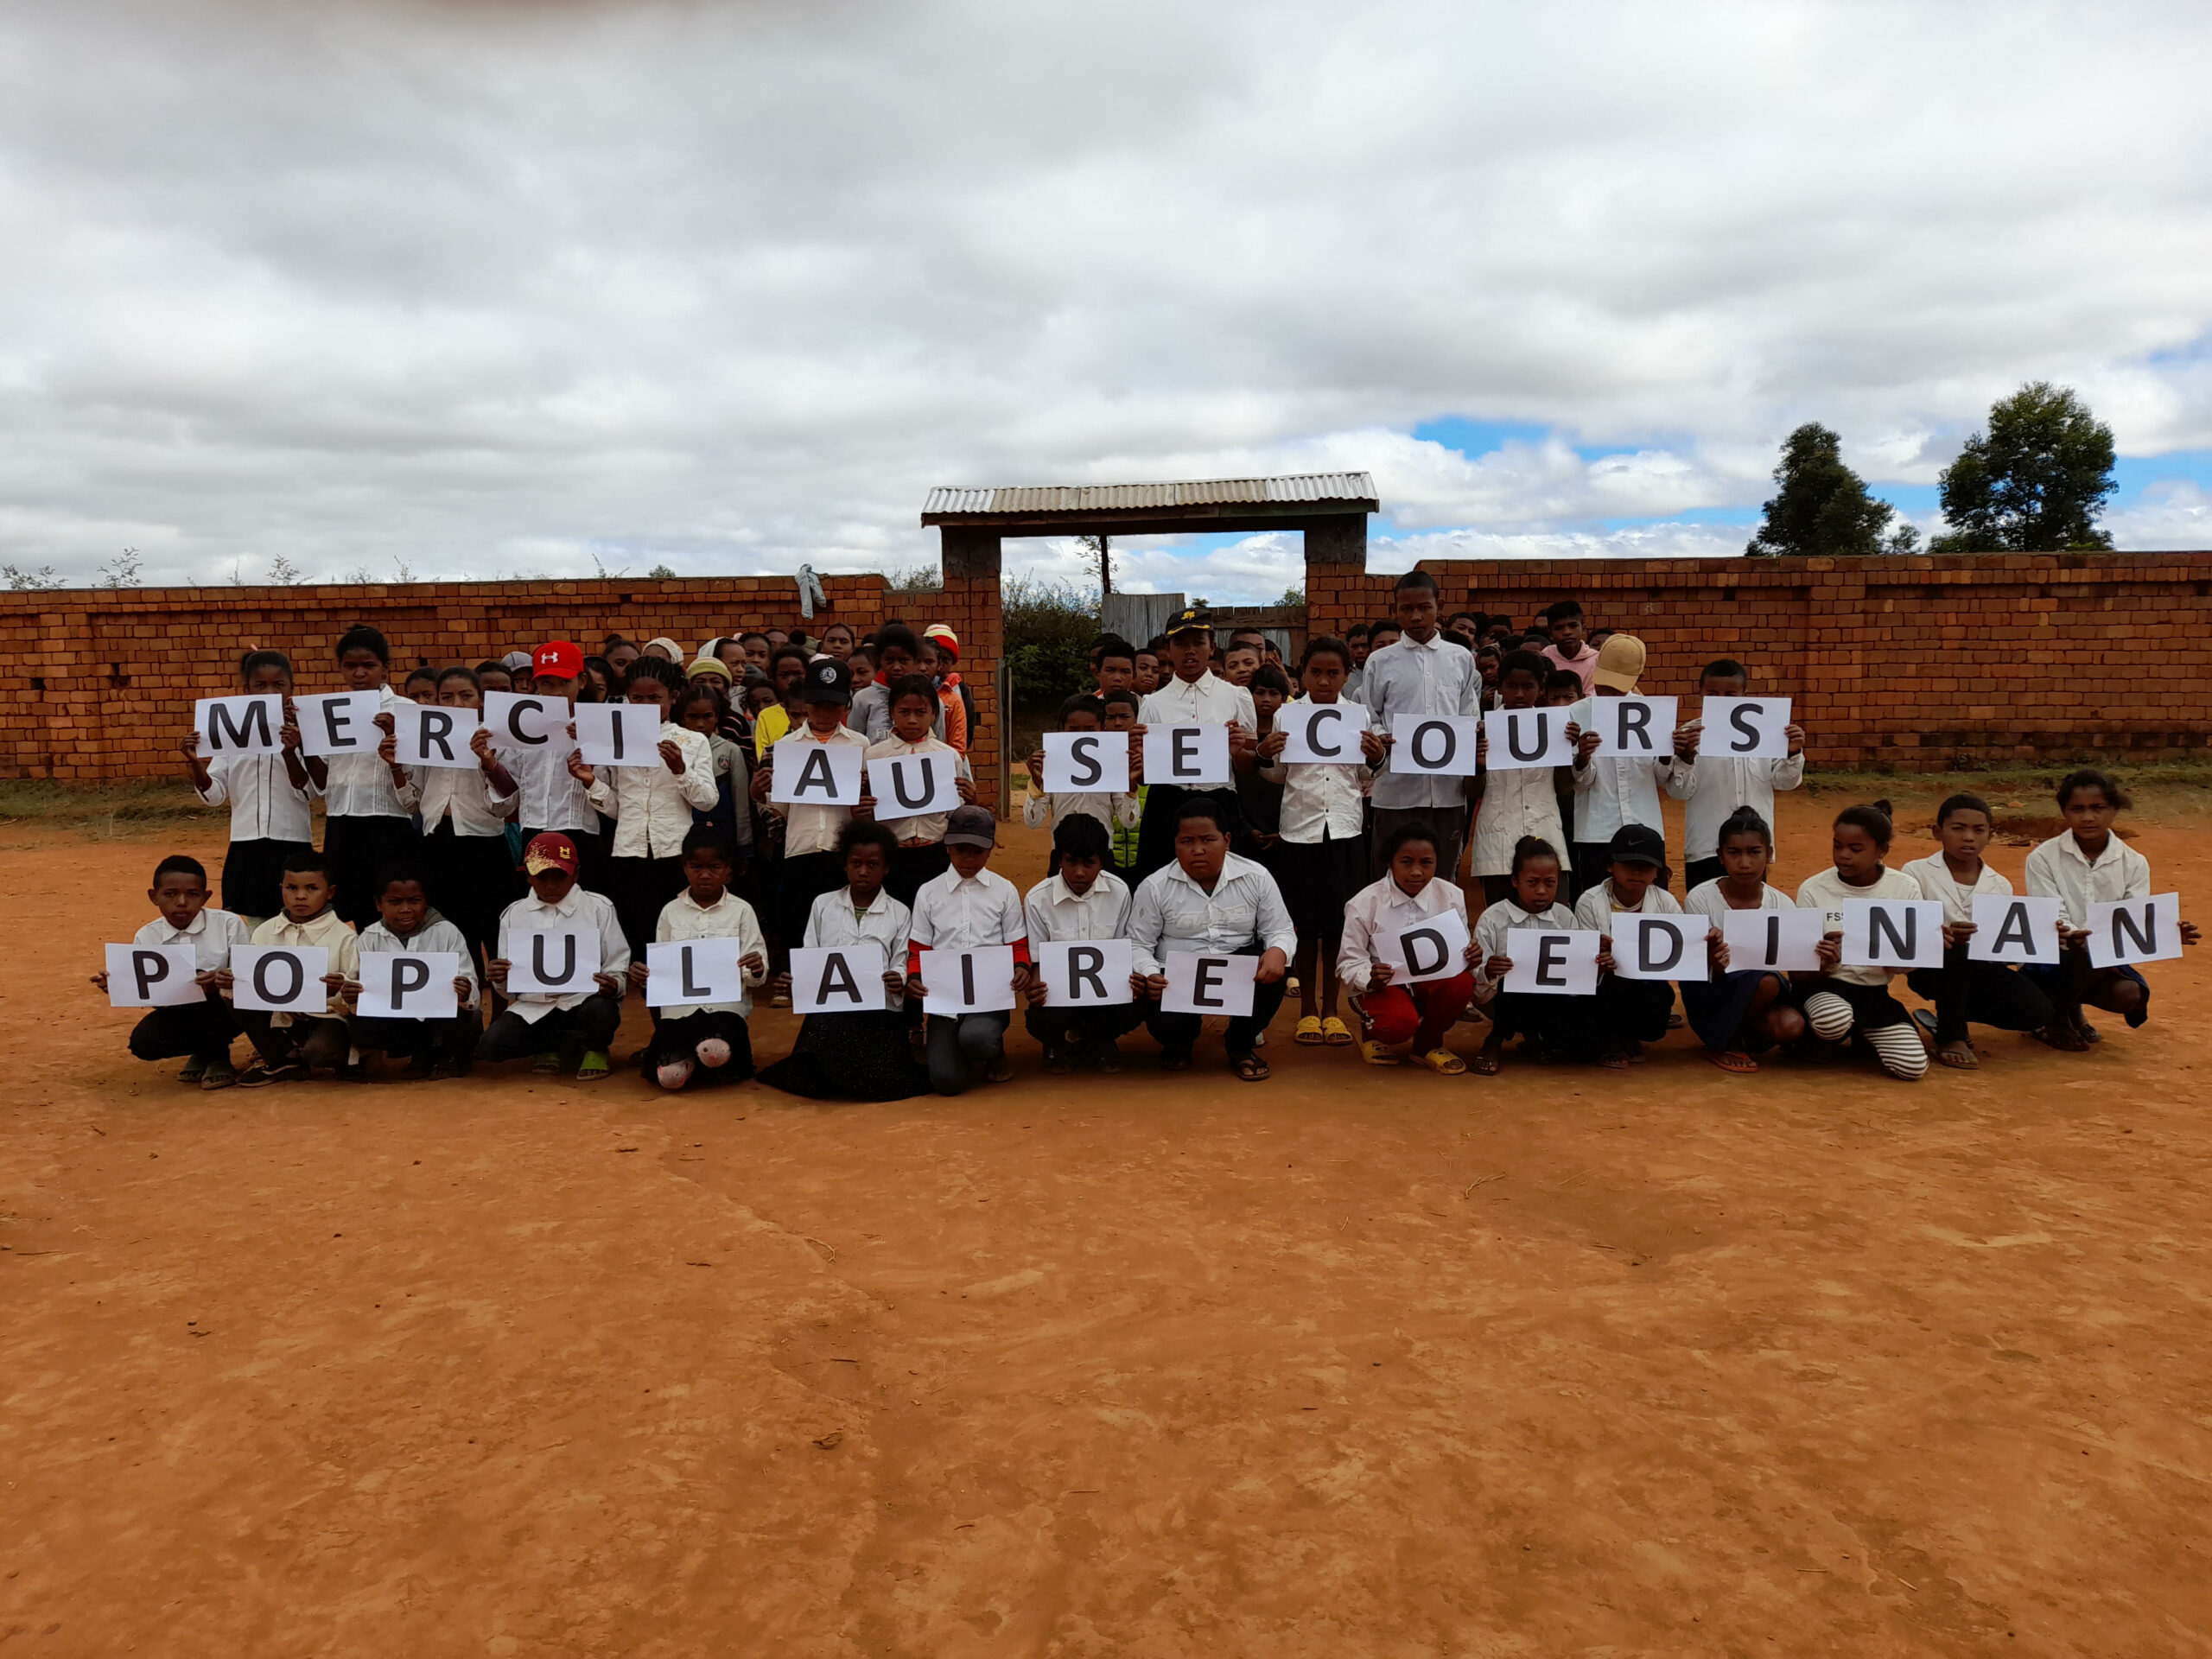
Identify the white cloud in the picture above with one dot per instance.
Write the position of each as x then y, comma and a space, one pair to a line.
498, 288
2168, 516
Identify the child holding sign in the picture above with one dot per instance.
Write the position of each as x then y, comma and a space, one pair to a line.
705, 1042
541, 1023
969, 907
2088, 864
812, 864
1712, 786
406, 924
1083, 901
201, 1031
1112, 809
1839, 999
369, 802
1409, 1020
1561, 1026
268, 796
915, 708
1321, 861
1963, 989
287, 1051
651, 804
1516, 803
1618, 789
471, 873
1737, 1014
1631, 1012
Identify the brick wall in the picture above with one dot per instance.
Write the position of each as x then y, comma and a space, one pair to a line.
1913, 663
101, 684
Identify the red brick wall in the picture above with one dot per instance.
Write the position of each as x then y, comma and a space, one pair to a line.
1908, 663
101, 684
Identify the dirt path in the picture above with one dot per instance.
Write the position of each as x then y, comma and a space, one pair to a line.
1355, 1363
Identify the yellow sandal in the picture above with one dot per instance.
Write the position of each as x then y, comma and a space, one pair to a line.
1379, 1053
1309, 1030
1335, 1033
1442, 1061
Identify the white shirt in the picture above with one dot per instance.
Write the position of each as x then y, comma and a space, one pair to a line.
870, 713
1206, 701
1596, 908
1706, 900
1173, 912
1490, 929
1039, 810
435, 934
1320, 797
469, 797
1937, 882
931, 826
330, 931
729, 918
1827, 892
1519, 801
808, 828
578, 912
954, 911
211, 935
1408, 677
886, 922
1713, 786
1613, 790
651, 806
1382, 908
265, 803
360, 786
550, 798
2059, 869
1052, 913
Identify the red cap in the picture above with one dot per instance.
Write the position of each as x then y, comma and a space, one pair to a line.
551, 850
561, 659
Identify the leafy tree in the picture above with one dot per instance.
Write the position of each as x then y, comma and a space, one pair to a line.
2035, 482
44, 579
1293, 599
1049, 627
660, 573
1821, 509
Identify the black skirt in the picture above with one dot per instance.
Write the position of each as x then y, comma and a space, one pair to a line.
473, 878
1317, 879
253, 874
850, 1057
358, 849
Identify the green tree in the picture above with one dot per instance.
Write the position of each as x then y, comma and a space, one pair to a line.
1821, 508
2035, 483
1049, 626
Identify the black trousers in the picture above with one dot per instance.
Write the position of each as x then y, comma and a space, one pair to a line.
1982, 993
1568, 1024
1636, 1008
640, 887
800, 881
198, 1031
473, 878
321, 1043
593, 1023
675, 1040
1178, 1034
1091, 1026
439, 1040
358, 849
910, 867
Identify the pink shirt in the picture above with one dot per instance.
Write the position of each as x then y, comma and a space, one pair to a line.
1581, 667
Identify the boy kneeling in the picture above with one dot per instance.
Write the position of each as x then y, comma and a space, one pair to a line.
407, 924
540, 1023
201, 1032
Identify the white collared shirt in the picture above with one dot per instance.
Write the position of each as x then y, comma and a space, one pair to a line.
435, 934
1517, 801
578, 911
1407, 677
1713, 786
652, 806
1827, 890
359, 786
1597, 907
470, 797
331, 931
1496, 921
1320, 797
2060, 869
886, 923
954, 911
1040, 811
808, 828
930, 827
211, 935
1937, 882
1052, 913
729, 918
1382, 908
1206, 701
265, 803
1173, 912
1613, 790
549, 797
1706, 900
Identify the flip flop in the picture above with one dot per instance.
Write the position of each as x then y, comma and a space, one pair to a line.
1442, 1061
1966, 1062
1335, 1033
1309, 1030
1732, 1060
1484, 1065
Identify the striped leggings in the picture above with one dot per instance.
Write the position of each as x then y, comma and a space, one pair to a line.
1832, 1011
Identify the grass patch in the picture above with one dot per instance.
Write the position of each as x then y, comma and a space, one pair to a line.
104, 808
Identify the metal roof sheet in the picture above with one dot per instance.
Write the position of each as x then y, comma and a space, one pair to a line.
1107, 498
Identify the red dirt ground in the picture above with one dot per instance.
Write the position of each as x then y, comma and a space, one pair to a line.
1356, 1362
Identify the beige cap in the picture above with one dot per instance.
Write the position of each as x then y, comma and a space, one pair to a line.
1620, 659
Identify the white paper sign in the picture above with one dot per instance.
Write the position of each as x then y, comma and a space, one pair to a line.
241, 725
340, 723
913, 785
1084, 972
1634, 727
1547, 962
1086, 763
1192, 757
1321, 733
1778, 941
806, 773
280, 978
1660, 947
1436, 745
1199, 983
409, 985
2134, 929
1743, 729
1892, 933
2014, 929
152, 976
432, 734
1522, 737
693, 970
619, 735
561, 961
837, 979
523, 721
1433, 948
968, 981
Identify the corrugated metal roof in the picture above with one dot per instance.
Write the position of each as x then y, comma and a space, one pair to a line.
1108, 497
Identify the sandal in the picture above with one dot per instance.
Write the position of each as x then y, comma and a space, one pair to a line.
547, 1064
1485, 1065
1335, 1033
594, 1066
1308, 1031
1959, 1057
1442, 1061
1612, 1059
1250, 1067
1377, 1054
192, 1070
218, 1076
1732, 1060
1178, 1061
2064, 1039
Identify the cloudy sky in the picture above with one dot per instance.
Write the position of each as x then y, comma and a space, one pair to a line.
501, 288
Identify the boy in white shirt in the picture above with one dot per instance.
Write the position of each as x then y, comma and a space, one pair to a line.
921, 856
1083, 899
651, 806
1964, 990
1613, 790
202, 1031
289, 1050
541, 1023
706, 1042
1713, 786
969, 907
407, 924
1516, 803
1631, 1012
1563, 1025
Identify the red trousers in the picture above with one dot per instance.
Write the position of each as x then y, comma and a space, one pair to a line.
1419, 1014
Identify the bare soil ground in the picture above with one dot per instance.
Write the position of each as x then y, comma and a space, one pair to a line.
1354, 1362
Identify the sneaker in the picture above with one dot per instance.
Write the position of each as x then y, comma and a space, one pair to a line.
260, 1076
192, 1072
218, 1075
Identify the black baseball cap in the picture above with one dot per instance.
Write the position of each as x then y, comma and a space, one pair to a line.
1637, 843
829, 680
1191, 619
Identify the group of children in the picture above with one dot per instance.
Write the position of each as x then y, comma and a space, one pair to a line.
1303, 866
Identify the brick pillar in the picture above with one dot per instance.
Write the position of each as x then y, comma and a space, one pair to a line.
973, 606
